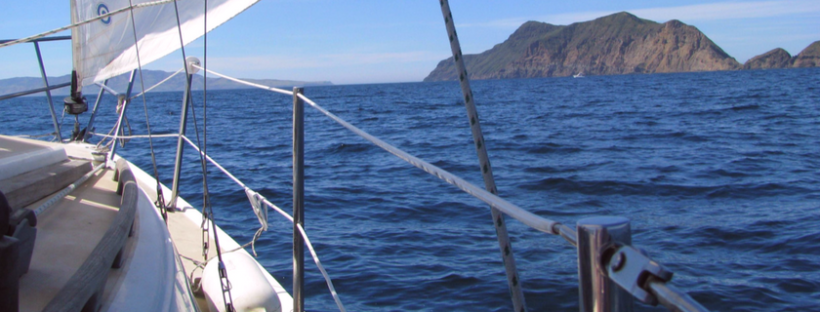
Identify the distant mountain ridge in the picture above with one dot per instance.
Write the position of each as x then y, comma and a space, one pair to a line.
620, 43
151, 77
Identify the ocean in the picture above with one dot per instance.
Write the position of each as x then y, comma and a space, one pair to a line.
719, 173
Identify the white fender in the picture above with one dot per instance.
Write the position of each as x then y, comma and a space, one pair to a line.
250, 289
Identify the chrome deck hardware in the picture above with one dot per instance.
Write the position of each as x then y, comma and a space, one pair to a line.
632, 270
596, 238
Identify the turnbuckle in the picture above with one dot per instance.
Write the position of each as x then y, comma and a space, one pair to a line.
205, 237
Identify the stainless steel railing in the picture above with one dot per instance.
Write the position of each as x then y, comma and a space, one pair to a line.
46, 87
630, 272
606, 261
637, 277
299, 227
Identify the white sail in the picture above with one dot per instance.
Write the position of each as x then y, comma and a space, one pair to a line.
107, 48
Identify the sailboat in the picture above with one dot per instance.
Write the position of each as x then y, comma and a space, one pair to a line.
85, 229
150, 250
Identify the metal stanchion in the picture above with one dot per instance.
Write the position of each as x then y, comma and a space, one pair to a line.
298, 200
183, 123
596, 241
57, 131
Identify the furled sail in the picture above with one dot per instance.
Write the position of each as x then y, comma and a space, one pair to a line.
106, 48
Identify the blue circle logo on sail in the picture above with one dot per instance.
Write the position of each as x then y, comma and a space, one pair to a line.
102, 9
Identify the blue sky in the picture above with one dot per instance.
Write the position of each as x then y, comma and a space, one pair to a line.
376, 41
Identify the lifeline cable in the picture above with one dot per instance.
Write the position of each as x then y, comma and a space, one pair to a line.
158, 84
160, 203
99, 17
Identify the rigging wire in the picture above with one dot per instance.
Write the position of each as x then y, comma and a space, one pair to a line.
158, 83
160, 203
129, 99
205, 195
99, 17
227, 298
199, 264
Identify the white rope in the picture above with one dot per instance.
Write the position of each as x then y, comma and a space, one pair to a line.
158, 84
526, 217
286, 92
277, 209
264, 200
107, 88
532, 220
54, 199
215, 163
99, 17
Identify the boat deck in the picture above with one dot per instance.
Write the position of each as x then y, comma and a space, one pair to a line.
72, 246
84, 216
187, 237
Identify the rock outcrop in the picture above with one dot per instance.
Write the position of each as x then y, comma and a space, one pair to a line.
809, 57
777, 58
616, 44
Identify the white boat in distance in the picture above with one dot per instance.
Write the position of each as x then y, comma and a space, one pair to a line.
127, 243
579, 75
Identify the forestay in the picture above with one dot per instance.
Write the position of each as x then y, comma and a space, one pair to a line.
106, 48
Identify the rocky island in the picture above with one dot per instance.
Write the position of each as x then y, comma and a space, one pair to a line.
620, 43
779, 58
809, 57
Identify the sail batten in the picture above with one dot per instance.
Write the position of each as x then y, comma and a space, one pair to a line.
108, 47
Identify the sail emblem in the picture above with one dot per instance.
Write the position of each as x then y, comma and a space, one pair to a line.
102, 9
108, 49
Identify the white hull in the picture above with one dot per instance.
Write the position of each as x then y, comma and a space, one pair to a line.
156, 269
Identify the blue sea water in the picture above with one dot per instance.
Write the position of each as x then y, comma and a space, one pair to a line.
719, 173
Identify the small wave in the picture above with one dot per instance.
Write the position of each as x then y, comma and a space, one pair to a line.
754, 190
727, 173
745, 107
732, 237
700, 113
520, 137
454, 167
610, 187
791, 285
670, 135
552, 148
586, 203
778, 116
455, 281
806, 244
566, 169
543, 170
646, 123
349, 148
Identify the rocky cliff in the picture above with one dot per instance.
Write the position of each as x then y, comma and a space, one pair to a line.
616, 44
777, 58
809, 57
